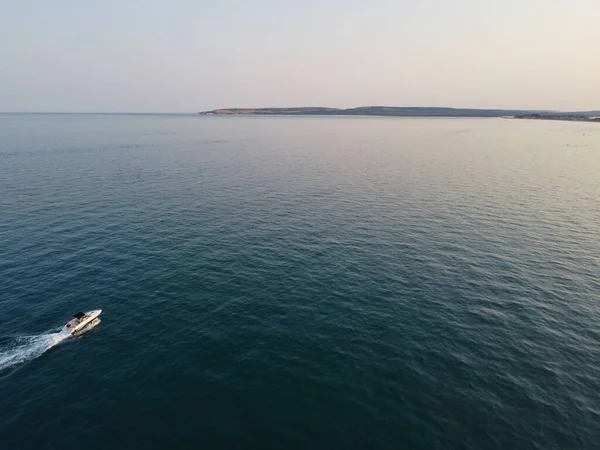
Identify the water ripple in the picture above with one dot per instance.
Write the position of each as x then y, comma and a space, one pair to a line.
300, 282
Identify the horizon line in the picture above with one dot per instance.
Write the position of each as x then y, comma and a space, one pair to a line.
298, 107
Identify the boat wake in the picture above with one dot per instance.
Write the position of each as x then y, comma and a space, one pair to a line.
25, 348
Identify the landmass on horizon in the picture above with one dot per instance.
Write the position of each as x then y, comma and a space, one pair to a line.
404, 111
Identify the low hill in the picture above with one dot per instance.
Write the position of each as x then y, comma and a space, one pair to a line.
398, 111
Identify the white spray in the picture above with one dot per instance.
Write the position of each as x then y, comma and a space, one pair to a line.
26, 348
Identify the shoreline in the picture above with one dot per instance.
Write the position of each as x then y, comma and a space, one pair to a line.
559, 118
407, 111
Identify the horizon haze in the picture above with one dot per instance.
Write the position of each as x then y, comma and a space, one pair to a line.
186, 56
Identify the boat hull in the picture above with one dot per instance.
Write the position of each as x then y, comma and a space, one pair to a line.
95, 322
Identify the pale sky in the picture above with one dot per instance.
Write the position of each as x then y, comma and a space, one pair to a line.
192, 55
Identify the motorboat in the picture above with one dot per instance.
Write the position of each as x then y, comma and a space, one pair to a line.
82, 322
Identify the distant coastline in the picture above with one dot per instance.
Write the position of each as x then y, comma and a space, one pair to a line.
567, 117
403, 111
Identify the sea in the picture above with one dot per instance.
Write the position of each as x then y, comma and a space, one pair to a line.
299, 282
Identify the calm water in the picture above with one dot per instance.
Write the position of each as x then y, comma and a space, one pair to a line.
300, 283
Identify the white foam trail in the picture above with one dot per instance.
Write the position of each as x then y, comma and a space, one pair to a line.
26, 348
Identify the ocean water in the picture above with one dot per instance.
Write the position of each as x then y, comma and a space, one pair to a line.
299, 282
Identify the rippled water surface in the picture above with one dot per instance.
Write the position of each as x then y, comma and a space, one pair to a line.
300, 283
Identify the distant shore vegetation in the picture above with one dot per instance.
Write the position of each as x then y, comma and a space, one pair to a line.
404, 111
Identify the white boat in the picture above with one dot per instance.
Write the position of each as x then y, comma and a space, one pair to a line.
82, 322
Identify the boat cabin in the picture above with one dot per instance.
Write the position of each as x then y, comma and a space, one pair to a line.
75, 322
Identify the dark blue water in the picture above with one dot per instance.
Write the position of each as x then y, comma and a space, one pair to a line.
300, 283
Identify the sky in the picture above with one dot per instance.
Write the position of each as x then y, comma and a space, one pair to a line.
195, 55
